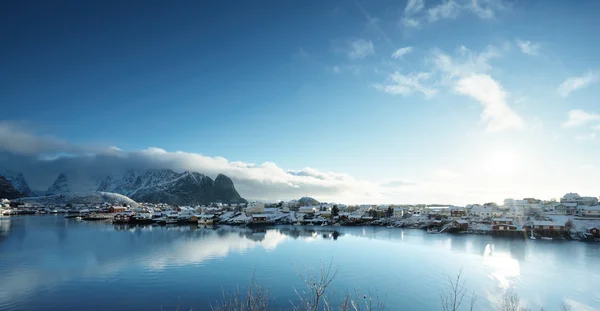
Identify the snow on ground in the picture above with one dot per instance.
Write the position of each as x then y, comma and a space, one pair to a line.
580, 224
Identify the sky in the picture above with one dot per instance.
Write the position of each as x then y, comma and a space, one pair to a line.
418, 101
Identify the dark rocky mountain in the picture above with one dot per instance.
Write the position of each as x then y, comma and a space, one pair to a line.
17, 180
167, 186
7, 191
60, 185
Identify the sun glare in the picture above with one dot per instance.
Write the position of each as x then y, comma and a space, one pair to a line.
500, 162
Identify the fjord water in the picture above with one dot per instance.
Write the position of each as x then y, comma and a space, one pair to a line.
52, 263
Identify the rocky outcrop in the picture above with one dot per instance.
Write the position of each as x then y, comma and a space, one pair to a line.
60, 185
17, 180
7, 191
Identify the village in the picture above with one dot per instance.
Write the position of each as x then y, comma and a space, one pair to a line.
571, 217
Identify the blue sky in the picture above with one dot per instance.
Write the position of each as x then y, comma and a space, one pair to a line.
463, 96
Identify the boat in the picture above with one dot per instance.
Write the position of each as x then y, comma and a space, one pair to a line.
532, 237
433, 231
390, 227
337, 224
546, 238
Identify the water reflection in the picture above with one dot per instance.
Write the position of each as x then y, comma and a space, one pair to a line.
105, 252
50, 258
503, 268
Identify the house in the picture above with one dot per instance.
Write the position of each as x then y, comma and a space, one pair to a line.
579, 200
482, 211
255, 208
398, 212
186, 210
566, 208
117, 209
548, 225
325, 214
503, 224
588, 211
307, 209
457, 212
460, 224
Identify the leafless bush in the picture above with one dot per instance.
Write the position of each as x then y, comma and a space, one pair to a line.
256, 298
357, 302
510, 301
453, 295
565, 307
316, 286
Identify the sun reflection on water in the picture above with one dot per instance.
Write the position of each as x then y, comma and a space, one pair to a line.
504, 268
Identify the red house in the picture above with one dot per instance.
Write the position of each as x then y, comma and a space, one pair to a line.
503, 224
548, 226
116, 209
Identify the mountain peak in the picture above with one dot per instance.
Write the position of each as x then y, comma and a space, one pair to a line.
17, 180
60, 185
7, 191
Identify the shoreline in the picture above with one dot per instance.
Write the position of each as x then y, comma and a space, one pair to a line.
389, 224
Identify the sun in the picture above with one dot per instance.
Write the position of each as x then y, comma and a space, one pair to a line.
501, 162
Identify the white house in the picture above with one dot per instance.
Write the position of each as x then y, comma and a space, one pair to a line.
307, 209
398, 212
482, 211
255, 208
576, 198
186, 210
588, 211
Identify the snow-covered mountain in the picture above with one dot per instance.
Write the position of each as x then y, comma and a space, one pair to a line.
7, 191
60, 185
17, 180
167, 186
96, 197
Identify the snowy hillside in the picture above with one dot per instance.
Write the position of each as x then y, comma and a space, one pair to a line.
167, 186
17, 180
96, 197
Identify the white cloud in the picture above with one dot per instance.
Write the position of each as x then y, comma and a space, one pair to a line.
579, 117
468, 74
450, 9
485, 9
408, 84
584, 137
467, 63
16, 138
402, 51
490, 94
21, 151
528, 47
410, 22
360, 49
596, 127
445, 10
576, 83
414, 7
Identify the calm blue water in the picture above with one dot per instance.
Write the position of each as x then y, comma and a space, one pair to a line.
52, 263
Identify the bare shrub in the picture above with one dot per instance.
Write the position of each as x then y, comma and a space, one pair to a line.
453, 295
316, 286
565, 306
256, 298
